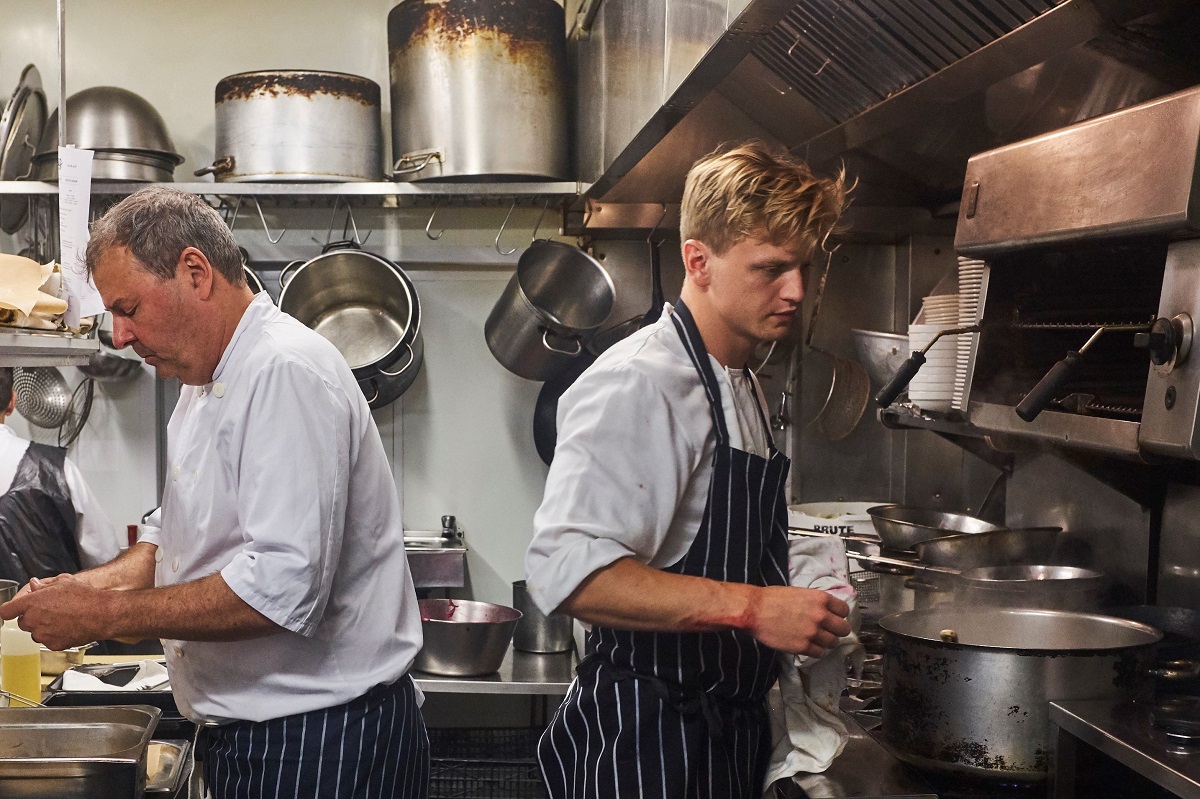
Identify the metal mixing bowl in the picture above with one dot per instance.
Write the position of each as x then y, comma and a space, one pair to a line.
902, 528
108, 118
464, 639
881, 353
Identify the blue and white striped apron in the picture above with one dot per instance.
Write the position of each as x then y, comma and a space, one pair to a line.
684, 714
373, 746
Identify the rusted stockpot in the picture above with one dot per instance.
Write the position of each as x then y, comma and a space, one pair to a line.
478, 90
297, 125
965, 690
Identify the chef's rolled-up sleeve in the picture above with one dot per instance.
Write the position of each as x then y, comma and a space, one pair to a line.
621, 464
150, 528
292, 476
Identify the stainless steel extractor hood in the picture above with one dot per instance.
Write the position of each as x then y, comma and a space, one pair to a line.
901, 91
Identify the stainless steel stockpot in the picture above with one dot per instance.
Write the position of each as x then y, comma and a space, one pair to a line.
478, 90
297, 125
368, 308
549, 310
965, 690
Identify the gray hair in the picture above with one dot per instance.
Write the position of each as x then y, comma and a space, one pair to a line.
157, 224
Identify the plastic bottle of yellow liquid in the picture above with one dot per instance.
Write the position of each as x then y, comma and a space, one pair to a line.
20, 664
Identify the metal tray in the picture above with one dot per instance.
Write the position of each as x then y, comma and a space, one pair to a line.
166, 763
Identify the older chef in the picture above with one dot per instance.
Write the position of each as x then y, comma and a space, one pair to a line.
275, 567
664, 519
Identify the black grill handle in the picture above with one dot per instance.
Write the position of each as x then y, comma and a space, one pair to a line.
1036, 400
907, 371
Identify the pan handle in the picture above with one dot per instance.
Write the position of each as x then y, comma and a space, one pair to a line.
546, 343
904, 375
283, 279
1036, 400
415, 161
411, 357
222, 164
897, 562
1174, 670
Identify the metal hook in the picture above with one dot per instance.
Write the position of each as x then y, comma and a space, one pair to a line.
650, 235
429, 224
234, 214
501, 231
266, 229
349, 224
538, 225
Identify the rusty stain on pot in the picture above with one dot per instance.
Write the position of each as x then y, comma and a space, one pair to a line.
289, 83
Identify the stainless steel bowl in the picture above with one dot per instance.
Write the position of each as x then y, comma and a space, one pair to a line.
109, 118
464, 639
135, 167
902, 528
881, 353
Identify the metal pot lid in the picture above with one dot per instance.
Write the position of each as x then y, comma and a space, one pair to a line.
20, 129
1019, 630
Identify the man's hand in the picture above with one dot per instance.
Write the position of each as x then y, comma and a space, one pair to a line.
800, 621
59, 612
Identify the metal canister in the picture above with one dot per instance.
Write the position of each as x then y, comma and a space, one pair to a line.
478, 89
297, 125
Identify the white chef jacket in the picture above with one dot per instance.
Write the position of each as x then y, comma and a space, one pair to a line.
633, 461
278, 480
94, 533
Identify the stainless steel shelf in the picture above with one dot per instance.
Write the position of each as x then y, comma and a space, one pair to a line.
44, 348
455, 193
522, 673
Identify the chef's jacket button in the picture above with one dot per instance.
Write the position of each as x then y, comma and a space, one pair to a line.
175, 472
158, 555
218, 390
175, 564
178, 650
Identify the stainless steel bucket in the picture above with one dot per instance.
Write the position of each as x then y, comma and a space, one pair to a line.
549, 310
478, 90
537, 632
297, 125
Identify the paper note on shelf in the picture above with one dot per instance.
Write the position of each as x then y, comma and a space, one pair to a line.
74, 204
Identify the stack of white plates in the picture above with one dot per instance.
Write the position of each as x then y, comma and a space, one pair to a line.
940, 309
971, 277
933, 386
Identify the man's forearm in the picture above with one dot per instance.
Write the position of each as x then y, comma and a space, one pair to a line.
202, 610
133, 568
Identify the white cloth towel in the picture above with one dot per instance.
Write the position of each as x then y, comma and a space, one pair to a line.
806, 732
151, 676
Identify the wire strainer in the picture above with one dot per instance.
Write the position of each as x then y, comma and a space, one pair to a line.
43, 396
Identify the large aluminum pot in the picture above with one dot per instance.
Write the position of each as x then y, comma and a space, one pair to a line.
297, 125
551, 306
462, 638
368, 308
975, 704
478, 90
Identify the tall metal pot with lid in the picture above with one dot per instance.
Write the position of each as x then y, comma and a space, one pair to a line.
478, 90
966, 690
297, 125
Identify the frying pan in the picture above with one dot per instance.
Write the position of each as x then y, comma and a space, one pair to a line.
545, 411
1034, 545
902, 528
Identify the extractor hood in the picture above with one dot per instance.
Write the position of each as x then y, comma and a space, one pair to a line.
900, 91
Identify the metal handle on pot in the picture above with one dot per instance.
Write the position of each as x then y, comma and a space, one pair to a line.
424, 156
411, 357
375, 387
222, 164
1177, 670
547, 345
283, 272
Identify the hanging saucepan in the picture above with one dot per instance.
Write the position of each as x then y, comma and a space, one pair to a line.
545, 412
550, 308
368, 308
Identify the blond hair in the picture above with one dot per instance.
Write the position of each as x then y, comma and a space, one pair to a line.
750, 191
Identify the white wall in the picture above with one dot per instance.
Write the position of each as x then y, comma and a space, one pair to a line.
460, 438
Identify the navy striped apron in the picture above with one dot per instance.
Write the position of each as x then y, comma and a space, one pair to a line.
373, 746
684, 714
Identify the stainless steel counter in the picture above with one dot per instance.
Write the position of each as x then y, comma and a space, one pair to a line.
520, 673
864, 769
1122, 732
